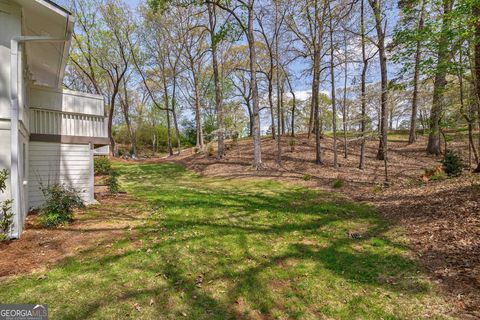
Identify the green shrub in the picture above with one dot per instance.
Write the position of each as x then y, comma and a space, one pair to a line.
307, 177
60, 200
338, 183
6, 214
452, 163
112, 182
5, 219
102, 165
3, 180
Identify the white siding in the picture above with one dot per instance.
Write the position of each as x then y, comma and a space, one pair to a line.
70, 164
9, 27
5, 155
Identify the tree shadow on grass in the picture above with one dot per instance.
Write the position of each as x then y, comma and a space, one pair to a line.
211, 251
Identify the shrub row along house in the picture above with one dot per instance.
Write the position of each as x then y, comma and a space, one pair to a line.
47, 134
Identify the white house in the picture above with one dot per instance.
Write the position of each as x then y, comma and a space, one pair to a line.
47, 134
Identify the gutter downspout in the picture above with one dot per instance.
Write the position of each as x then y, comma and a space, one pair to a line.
14, 134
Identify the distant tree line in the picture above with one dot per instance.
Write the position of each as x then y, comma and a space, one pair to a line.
183, 73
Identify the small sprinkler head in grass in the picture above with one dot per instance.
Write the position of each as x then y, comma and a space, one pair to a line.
354, 235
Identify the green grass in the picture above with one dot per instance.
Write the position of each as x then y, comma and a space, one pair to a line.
220, 249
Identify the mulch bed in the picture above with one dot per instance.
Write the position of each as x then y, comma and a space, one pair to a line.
442, 220
39, 247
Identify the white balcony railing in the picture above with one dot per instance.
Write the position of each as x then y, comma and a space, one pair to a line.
65, 113
44, 121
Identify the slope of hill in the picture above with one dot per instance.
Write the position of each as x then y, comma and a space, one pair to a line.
440, 219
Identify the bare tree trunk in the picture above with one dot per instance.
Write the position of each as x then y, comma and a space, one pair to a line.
218, 88
279, 123
282, 107
332, 84
316, 79
476, 11
344, 111
250, 117
111, 111
270, 102
169, 129
382, 148
390, 121
363, 86
294, 102
174, 113
470, 117
198, 115
279, 103
418, 53
154, 144
312, 112
126, 110
440, 83
316, 111
471, 140
257, 147
384, 80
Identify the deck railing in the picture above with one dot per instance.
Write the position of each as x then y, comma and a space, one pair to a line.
51, 122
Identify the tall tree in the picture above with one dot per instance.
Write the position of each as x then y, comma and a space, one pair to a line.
440, 82
278, 22
363, 86
248, 29
412, 137
380, 27
344, 104
125, 102
82, 54
476, 71
309, 29
332, 85
214, 39
269, 39
114, 58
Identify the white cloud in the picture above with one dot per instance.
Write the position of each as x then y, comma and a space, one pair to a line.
303, 95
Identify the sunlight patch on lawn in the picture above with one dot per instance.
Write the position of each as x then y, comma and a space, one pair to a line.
227, 249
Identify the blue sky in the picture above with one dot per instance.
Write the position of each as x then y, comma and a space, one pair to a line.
300, 82
131, 3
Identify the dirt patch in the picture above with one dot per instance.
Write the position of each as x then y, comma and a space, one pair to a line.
441, 218
98, 225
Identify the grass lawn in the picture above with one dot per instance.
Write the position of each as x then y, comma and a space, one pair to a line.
241, 249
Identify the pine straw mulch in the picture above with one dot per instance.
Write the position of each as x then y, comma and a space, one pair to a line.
441, 218
99, 225
442, 221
